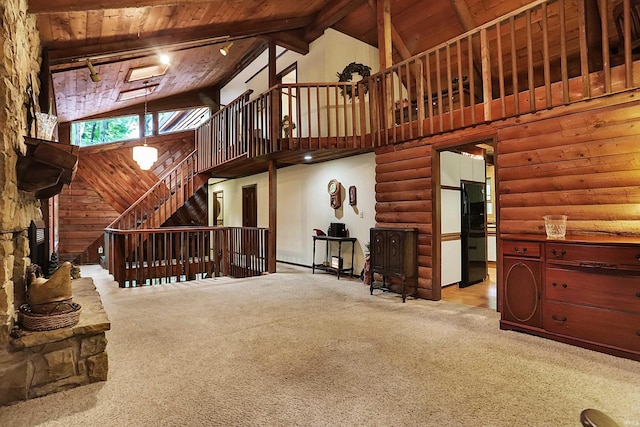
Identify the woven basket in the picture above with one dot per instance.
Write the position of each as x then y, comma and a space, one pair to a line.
47, 322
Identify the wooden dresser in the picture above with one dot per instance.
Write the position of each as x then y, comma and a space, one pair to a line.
394, 255
582, 290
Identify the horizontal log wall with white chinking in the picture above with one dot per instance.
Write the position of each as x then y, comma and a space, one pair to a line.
582, 160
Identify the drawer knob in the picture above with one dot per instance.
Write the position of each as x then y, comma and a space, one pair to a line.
558, 254
559, 319
520, 251
554, 284
638, 294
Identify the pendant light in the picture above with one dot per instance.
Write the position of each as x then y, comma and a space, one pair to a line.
144, 155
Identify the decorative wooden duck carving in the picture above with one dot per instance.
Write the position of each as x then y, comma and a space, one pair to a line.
41, 292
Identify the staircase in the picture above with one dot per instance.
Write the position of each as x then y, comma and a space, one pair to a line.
164, 199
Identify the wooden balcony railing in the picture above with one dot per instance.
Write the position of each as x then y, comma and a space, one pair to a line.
152, 256
543, 55
320, 116
162, 200
537, 57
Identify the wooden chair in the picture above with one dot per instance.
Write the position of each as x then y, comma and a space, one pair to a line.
618, 18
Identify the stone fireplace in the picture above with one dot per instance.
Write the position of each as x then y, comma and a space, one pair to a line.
38, 363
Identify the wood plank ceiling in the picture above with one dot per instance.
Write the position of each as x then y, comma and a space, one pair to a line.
130, 34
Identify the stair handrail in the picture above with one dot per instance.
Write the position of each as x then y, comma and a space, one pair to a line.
151, 189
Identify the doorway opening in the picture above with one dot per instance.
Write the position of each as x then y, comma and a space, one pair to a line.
466, 224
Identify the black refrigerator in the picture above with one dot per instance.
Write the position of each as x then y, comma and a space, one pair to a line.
474, 234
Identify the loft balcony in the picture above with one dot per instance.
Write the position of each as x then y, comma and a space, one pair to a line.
539, 57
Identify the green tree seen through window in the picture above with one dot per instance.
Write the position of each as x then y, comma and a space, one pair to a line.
107, 130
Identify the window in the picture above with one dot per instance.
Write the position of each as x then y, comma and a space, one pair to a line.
92, 132
176, 121
114, 129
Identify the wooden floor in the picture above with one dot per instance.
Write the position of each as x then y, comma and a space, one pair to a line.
479, 295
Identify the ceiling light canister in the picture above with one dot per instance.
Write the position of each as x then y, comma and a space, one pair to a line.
225, 50
95, 77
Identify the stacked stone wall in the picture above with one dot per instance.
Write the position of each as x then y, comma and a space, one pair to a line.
38, 363
19, 68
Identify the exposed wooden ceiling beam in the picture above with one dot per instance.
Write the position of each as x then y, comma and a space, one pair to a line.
468, 23
292, 40
70, 52
330, 15
396, 39
61, 6
384, 34
464, 14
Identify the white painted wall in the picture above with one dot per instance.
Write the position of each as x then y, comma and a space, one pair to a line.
303, 201
303, 204
328, 55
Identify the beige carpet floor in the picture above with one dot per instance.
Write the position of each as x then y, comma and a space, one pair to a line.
295, 349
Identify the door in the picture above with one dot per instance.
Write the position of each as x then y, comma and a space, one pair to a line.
249, 219
249, 206
474, 234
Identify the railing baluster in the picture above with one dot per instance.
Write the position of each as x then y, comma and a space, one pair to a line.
449, 86
545, 56
460, 82
503, 103
514, 66
563, 53
584, 52
606, 59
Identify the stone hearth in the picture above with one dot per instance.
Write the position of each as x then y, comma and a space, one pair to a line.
45, 362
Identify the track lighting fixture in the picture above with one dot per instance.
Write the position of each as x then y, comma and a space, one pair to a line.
95, 77
225, 50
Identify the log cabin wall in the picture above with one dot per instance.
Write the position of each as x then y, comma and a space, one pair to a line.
403, 199
585, 165
582, 160
108, 181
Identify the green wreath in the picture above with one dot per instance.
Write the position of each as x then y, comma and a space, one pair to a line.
347, 74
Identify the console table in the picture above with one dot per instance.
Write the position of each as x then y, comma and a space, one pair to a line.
326, 265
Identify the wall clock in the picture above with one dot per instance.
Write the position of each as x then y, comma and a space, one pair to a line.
334, 193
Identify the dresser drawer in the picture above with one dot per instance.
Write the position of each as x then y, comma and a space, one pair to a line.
613, 328
521, 248
593, 256
612, 291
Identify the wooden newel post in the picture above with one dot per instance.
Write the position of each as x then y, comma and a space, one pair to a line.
273, 215
119, 258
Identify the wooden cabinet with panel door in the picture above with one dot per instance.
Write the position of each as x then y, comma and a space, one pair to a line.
581, 290
521, 284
